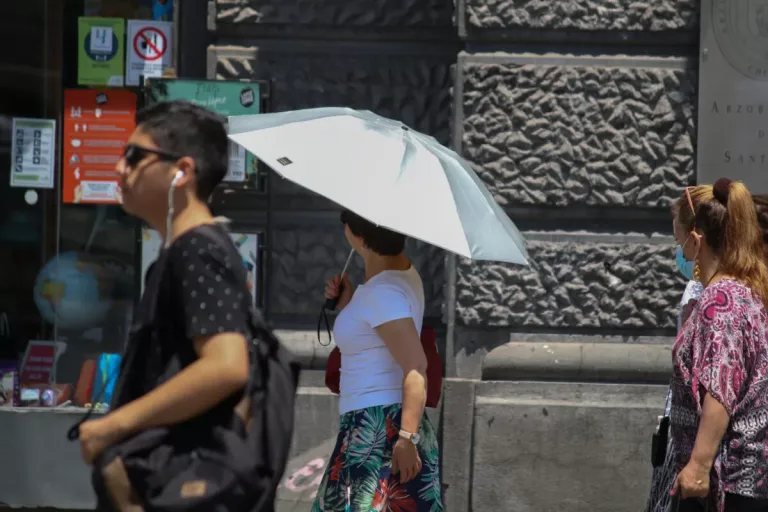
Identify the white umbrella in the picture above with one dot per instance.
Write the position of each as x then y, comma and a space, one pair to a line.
385, 172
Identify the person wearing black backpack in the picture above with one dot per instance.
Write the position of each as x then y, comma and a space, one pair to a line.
202, 412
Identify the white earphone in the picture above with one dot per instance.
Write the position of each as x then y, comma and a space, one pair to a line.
177, 178
169, 219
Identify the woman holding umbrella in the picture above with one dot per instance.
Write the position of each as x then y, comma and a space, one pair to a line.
386, 452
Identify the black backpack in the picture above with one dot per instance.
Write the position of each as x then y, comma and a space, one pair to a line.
233, 465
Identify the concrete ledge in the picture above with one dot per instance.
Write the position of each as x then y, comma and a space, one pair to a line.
310, 354
565, 447
456, 450
579, 362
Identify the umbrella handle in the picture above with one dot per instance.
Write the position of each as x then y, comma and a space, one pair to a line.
332, 303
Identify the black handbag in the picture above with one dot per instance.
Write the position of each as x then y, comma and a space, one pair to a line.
661, 437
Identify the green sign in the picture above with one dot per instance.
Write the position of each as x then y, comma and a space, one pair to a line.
101, 51
224, 98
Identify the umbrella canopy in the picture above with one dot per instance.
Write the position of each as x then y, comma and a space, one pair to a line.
385, 172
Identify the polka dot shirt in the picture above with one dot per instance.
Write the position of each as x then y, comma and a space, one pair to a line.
209, 285
196, 288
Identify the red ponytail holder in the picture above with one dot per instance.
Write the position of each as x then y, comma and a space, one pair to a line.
720, 190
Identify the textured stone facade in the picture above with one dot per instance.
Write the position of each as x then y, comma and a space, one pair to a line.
571, 285
587, 15
340, 13
413, 86
304, 258
303, 78
562, 133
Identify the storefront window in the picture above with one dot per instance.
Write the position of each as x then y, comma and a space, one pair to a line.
26, 214
67, 271
21, 239
92, 285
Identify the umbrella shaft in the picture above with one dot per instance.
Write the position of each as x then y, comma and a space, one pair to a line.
346, 265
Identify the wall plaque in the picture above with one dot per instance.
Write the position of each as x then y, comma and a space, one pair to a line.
733, 93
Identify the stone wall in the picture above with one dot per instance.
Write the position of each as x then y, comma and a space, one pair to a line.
580, 117
564, 131
580, 15
584, 129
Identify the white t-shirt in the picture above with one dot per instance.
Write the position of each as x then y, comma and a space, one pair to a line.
693, 291
369, 374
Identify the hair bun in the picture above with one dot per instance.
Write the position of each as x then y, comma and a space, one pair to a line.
720, 190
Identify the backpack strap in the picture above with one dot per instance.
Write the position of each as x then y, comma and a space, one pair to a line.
144, 317
255, 319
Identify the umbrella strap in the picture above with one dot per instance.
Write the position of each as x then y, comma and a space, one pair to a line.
324, 317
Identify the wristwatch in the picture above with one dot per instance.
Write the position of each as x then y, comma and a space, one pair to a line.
414, 438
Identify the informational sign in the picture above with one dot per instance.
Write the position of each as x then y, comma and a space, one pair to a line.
101, 55
97, 125
225, 98
150, 50
33, 153
247, 244
39, 363
733, 93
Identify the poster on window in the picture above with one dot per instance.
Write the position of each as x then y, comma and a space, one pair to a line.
150, 50
101, 51
97, 125
224, 98
33, 152
246, 243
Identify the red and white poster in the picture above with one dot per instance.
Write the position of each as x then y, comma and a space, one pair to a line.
39, 363
97, 125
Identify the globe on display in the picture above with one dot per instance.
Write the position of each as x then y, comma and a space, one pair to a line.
74, 291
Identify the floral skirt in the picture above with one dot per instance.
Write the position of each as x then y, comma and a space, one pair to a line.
358, 477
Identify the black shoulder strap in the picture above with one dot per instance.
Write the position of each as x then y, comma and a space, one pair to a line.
226, 243
144, 316
254, 317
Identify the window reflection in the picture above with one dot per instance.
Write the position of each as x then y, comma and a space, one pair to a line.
87, 292
21, 243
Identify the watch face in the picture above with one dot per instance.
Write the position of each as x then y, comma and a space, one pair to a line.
415, 438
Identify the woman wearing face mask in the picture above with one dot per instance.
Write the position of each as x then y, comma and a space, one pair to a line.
663, 477
719, 413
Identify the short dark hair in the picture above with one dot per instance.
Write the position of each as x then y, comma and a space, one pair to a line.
380, 240
185, 129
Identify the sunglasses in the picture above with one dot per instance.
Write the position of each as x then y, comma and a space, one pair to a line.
134, 154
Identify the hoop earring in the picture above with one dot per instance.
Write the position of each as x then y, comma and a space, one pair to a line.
696, 272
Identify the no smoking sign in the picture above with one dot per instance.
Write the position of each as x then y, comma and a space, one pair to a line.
150, 44
150, 50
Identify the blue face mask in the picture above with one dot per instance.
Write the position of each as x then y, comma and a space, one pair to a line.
683, 265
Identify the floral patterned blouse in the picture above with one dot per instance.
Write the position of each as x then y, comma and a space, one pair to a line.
723, 350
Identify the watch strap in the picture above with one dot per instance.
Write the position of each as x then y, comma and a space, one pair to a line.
404, 434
